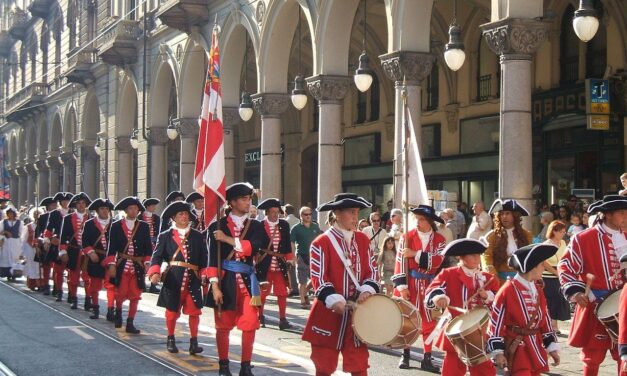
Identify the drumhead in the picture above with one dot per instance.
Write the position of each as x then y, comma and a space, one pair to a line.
378, 320
466, 321
609, 306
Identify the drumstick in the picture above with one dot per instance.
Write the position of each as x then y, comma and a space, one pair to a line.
589, 278
477, 292
458, 309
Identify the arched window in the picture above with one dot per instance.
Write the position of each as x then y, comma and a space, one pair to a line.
596, 49
569, 49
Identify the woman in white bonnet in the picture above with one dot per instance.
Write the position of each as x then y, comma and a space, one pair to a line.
12, 234
31, 267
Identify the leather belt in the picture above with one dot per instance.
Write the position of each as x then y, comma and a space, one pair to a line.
183, 264
522, 331
138, 259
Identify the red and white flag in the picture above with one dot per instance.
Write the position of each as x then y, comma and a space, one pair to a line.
210, 175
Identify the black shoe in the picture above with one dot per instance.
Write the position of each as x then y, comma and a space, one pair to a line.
284, 324
427, 364
46, 290
245, 369
193, 346
88, 305
111, 314
118, 318
69, 299
404, 361
224, 368
59, 296
96, 310
262, 321
130, 328
171, 345
153, 289
73, 302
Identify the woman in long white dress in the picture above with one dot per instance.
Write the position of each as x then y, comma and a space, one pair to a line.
31, 267
13, 234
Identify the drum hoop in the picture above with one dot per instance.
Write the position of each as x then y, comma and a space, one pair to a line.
600, 304
476, 325
403, 316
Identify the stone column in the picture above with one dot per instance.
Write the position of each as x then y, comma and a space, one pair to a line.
22, 186
69, 171
123, 186
158, 139
188, 132
52, 160
410, 68
31, 182
270, 106
329, 91
15, 186
515, 41
230, 121
43, 177
90, 170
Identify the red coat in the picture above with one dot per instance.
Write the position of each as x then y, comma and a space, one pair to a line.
622, 323
458, 286
430, 259
514, 306
590, 251
329, 276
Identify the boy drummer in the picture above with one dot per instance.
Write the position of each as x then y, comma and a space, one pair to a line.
467, 287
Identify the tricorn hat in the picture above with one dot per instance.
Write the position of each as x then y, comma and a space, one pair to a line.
345, 201
78, 197
236, 190
172, 196
175, 208
151, 201
269, 203
508, 205
63, 196
47, 201
99, 203
608, 204
193, 197
427, 211
462, 247
128, 201
528, 257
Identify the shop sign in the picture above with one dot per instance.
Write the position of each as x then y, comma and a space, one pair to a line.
598, 104
252, 157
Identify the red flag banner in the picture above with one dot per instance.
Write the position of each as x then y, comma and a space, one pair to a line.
210, 176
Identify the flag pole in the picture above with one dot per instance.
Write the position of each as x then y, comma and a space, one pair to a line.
405, 155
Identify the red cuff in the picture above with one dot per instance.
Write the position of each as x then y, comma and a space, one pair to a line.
62, 247
48, 234
211, 272
203, 272
109, 260
289, 256
247, 248
86, 250
147, 258
155, 269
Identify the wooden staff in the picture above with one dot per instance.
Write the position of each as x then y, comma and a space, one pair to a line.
219, 247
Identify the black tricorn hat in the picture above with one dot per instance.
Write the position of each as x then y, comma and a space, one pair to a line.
193, 197
608, 204
528, 257
62, 196
151, 201
174, 195
78, 197
345, 201
462, 247
427, 211
47, 201
269, 203
508, 205
99, 203
128, 201
177, 207
236, 190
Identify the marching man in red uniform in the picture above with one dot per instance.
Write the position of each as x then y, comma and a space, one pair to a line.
520, 328
185, 251
154, 224
70, 247
467, 287
418, 260
130, 250
595, 251
272, 263
45, 258
94, 242
235, 296
340, 256
52, 240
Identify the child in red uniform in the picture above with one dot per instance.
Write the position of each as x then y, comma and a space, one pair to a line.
520, 328
455, 286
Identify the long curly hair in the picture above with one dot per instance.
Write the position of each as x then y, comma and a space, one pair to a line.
500, 251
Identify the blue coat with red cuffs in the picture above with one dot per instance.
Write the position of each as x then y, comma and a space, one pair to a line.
94, 235
252, 242
117, 244
285, 248
53, 230
194, 252
71, 238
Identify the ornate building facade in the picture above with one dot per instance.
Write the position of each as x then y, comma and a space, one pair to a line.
90, 87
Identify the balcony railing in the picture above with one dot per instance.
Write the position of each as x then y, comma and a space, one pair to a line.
79, 66
118, 44
485, 87
569, 70
183, 14
18, 23
31, 94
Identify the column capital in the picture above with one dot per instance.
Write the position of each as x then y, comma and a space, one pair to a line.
230, 117
52, 160
328, 88
158, 136
409, 66
30, 168
188, 127
41, 163
270, 105
66, 157
123, 144
516, 38
88, 152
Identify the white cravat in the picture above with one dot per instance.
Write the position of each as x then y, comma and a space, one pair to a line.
348, 234
80, 216
130, 223
239, 221
104, 222
529, 285
182, 231
424, 238
511, 242
618, 241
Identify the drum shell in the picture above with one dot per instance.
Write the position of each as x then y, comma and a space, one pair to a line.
609, 322
475, 335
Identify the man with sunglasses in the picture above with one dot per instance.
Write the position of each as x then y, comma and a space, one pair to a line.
375, 232
302, 235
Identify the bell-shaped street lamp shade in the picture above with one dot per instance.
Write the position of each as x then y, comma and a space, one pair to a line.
585, 21
246, 107
172, 132
134, 140
363, 74
97, 149
299, 96
454, 54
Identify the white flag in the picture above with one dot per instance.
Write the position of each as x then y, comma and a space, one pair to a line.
415, 186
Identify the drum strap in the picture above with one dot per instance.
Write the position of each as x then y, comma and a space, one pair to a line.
345, 261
